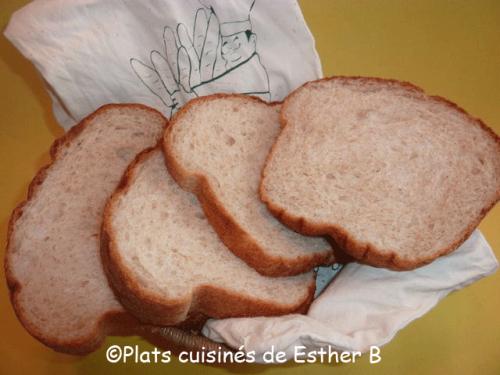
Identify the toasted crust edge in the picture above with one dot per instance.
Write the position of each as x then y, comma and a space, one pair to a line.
229, 231
111, 322
365, 252
205, 300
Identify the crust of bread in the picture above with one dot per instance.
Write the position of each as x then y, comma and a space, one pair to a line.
113, 321
230, 232
205, 300
366, 253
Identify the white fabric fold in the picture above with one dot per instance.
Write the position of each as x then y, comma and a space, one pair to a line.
363, 306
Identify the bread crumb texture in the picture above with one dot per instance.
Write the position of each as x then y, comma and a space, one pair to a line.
395, 176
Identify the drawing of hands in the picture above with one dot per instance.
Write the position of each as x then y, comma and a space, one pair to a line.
187, 63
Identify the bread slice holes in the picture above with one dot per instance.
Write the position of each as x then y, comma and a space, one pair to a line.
200, 216
363, 114
330, 176
230, 140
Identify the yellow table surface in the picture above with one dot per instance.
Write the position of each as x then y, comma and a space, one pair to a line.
450, 48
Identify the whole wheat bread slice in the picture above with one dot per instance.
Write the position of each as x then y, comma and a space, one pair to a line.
166, 262
395, 176
216, 147
58, 287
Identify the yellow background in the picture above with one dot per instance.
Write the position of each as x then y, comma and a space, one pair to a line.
450, 48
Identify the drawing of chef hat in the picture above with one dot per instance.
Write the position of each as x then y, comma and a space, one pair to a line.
233, 19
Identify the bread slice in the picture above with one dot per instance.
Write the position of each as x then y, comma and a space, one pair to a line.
216, 147
396, 177
166, 262
53, 266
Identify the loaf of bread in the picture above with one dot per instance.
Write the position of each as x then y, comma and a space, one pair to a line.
53, 266
166, 262
396, 177
216, 148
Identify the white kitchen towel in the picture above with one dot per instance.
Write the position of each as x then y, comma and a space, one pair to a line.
163, 52
361, 307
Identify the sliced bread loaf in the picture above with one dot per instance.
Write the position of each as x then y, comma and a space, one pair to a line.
216, 147
395, 176
53, 266
166, 262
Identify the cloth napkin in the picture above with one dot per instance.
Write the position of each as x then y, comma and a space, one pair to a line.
363, 306
164, 52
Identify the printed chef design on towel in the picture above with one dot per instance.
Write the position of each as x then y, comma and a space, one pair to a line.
220, 55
